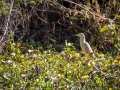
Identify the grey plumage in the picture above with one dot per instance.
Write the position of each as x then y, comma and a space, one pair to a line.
86, 48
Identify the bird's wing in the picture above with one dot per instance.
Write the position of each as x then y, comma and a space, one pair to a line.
87, 48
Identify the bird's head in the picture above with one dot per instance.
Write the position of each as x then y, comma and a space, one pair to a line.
81, 35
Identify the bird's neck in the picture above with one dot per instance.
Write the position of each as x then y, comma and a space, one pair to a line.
82, 40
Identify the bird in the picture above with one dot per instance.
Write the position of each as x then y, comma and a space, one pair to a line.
85, 46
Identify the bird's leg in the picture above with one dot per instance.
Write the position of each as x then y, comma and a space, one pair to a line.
93, 64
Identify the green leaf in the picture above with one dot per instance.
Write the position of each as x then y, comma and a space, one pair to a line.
32, 2
117, 46
105, 28
5, 76
117, 16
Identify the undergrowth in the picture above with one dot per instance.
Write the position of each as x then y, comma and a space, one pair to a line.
35, 69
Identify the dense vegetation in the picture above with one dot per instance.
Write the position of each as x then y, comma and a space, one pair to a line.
39, 52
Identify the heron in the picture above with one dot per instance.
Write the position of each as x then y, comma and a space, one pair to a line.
86, 48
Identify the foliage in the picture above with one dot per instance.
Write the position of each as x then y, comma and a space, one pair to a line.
52, 22
3, 8
35, 69
105, 28
26, 65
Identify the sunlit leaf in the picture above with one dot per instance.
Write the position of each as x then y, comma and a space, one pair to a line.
85, 77
6, 76
104, 28
117, 16
110, 88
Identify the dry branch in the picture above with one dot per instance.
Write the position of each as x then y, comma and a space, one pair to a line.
6, 30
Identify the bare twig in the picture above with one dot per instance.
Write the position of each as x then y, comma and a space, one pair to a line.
7, 23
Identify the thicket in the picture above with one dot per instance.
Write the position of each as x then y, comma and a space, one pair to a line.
38, 50
53, 22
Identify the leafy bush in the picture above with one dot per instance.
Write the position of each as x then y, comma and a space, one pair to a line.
23, 67
33, 69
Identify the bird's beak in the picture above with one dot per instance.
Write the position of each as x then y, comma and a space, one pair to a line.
77, 35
